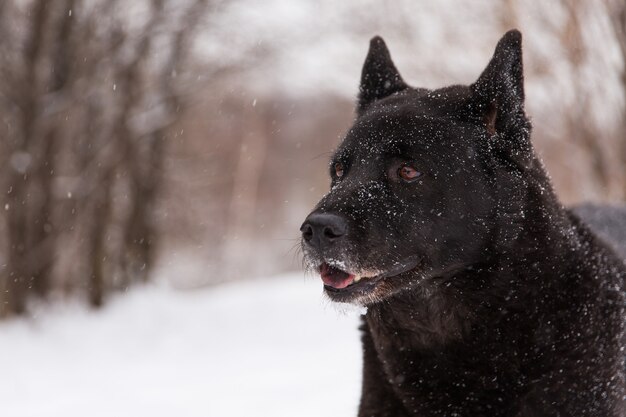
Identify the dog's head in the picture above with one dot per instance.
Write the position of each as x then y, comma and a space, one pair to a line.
414, 192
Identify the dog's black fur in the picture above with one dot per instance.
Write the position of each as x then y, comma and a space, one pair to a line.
485, 297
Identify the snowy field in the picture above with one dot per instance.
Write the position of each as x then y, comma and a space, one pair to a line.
271, 347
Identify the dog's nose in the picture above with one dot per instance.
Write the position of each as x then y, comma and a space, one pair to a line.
321, 229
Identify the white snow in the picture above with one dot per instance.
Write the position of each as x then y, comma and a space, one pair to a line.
269, 347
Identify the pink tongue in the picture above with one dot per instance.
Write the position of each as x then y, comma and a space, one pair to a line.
334, 277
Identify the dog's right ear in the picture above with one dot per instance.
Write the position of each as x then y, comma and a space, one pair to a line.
498, 101
379, 77
498, 95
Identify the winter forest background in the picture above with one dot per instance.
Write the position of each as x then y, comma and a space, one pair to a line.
182, 142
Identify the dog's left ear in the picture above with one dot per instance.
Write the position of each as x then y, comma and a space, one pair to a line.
379, 77
498, 94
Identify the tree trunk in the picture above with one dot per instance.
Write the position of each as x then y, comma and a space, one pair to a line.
97, 238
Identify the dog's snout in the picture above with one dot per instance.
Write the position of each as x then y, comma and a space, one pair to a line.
321, 229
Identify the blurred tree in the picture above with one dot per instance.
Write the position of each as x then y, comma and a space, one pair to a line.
617, 10
578, 126
87, 97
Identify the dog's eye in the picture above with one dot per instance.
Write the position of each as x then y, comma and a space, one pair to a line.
339, 170
408, 173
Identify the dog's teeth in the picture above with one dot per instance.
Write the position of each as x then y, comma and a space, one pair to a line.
357, 279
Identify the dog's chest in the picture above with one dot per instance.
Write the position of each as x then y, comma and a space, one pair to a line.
432, 363
419, 322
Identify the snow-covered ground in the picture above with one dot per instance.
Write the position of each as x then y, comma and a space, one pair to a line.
270, 347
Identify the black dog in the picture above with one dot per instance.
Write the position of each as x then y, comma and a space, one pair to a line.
485, 297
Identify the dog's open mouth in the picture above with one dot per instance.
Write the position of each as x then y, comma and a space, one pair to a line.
337, 281
335, 277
